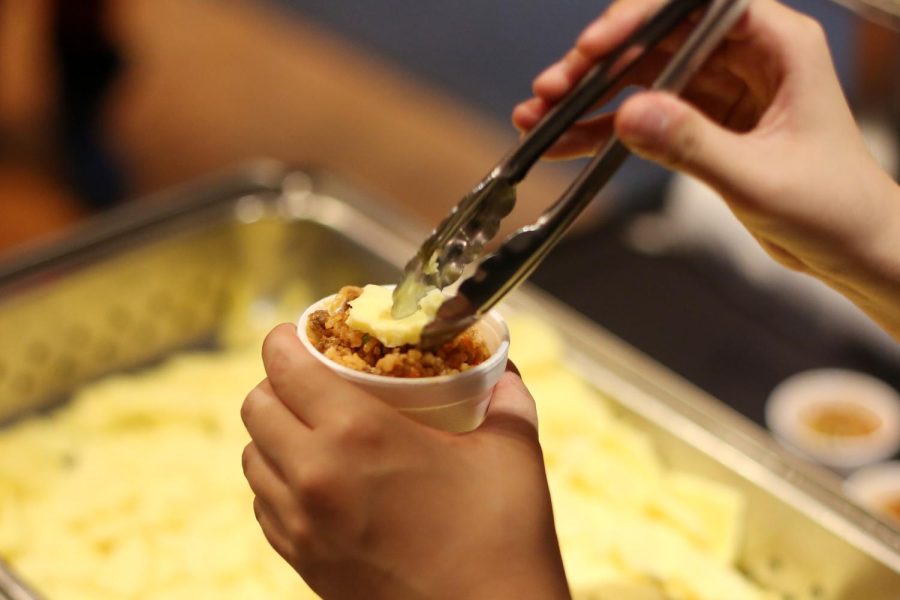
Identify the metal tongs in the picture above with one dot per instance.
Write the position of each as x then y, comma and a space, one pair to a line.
460, 238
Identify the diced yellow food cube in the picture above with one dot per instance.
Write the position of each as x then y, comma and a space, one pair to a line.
535, 344
713, 514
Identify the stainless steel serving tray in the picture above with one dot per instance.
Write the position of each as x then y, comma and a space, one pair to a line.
164, 275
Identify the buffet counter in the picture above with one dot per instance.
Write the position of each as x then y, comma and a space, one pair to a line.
128, 347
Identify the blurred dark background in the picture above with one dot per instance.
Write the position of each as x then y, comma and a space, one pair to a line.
102, 101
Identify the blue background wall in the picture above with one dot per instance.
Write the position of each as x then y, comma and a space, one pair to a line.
487, 52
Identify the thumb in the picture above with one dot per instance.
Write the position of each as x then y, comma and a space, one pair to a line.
512, 407
663, 128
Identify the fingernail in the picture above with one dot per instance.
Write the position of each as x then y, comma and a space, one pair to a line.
511, 366
595, 31
518, 113
553, 77
646, 128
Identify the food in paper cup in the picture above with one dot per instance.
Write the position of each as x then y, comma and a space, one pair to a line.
448, 387
355, 329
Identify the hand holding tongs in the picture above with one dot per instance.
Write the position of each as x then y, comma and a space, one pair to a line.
460, 238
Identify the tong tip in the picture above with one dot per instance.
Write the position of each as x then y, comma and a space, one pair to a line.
454, 316
406, 297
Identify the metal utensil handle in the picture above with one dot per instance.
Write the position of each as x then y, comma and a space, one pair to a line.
460, 238
520, 254
597, 82
706, 36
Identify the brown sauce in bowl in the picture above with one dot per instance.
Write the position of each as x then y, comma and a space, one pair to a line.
842, 419
892, 507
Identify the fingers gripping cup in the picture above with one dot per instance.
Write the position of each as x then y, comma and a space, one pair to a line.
454, 402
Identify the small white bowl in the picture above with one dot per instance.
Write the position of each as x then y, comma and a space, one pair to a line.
839, 418
877, 488
455, 403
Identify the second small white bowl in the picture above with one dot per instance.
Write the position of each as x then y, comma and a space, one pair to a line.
877, 487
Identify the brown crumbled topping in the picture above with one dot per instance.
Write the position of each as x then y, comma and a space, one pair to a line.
330, 334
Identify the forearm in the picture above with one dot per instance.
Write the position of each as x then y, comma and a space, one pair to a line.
872, 281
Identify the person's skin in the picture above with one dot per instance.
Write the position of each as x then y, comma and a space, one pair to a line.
766, 125
365, 503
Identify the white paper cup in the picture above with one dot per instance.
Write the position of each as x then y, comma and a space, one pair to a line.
454, 403
794, 400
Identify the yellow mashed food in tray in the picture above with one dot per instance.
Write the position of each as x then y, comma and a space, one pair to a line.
134, 490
